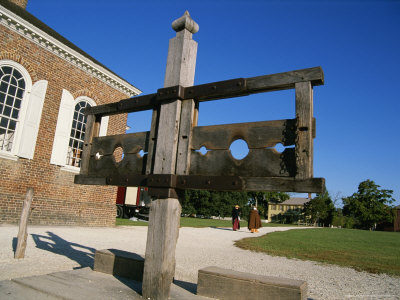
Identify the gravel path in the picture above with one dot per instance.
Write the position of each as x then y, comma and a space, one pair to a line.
52, 249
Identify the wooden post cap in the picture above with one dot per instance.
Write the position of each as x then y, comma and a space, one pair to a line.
185, 22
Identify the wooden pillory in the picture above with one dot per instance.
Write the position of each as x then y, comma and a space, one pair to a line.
172, 160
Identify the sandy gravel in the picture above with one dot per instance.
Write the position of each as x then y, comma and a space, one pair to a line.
52, 249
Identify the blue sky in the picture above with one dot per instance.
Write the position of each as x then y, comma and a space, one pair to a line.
356, 43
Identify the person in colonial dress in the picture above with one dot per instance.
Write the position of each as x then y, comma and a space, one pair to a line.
254, 220
236, 218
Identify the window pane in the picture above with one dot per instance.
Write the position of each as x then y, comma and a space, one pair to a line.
7, 111
3, 87
17, 103
20, 93
6, 79
12, 90
17, 74
13, 81
21, 84
7, 70
10, 100
2, 97
12, 125
15, 113
4, 122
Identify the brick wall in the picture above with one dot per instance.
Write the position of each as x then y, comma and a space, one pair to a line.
56, 200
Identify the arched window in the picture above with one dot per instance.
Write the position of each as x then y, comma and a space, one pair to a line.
77, 134
12, 89
70, 131
21, 105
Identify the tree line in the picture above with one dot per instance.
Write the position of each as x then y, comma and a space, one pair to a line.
368, 208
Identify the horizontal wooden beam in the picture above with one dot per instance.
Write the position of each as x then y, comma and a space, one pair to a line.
285, 184
216, 183
213, 91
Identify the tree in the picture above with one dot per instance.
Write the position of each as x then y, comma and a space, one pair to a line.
212, 203
262, 199
320, 209
369, 206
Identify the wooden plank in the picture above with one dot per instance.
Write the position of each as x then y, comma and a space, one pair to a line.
215, 90
162, 236
282, 184
23, 224
188, 121
89, 180
138, 103
131, 143
256, 134
258, 162
287, 80
152, 143
304, 141
92, 130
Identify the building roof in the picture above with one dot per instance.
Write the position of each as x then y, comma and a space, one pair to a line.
18, 19
295, 201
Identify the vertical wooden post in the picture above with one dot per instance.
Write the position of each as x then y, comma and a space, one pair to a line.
304, 141
23, 224
164, 219
92, 130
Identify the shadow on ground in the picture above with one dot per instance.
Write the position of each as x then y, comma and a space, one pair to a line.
84, 256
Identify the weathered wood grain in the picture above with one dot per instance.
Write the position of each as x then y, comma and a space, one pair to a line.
189, 115
212, 91
23, 225
92, 130
164, 215
256, 134
258, 162
162, 236
304, 141
282, 184
287, 80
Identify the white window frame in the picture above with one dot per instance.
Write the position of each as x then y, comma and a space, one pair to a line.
27, 128
63, 129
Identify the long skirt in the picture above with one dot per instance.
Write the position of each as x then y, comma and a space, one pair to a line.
236, 224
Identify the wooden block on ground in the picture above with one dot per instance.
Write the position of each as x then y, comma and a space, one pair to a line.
215, 282
119, 263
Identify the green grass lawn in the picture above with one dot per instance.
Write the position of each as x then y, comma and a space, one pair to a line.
371, 251
195, 222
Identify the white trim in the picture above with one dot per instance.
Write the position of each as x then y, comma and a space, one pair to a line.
7, 155
39, 37
71, 169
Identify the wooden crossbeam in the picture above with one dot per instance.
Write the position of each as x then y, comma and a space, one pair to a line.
213, 91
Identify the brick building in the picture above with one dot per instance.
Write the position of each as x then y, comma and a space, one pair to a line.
45, 82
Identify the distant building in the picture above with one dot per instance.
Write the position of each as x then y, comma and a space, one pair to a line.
276, 210
45, 82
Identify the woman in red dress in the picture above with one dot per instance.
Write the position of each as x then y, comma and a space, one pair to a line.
236, 218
